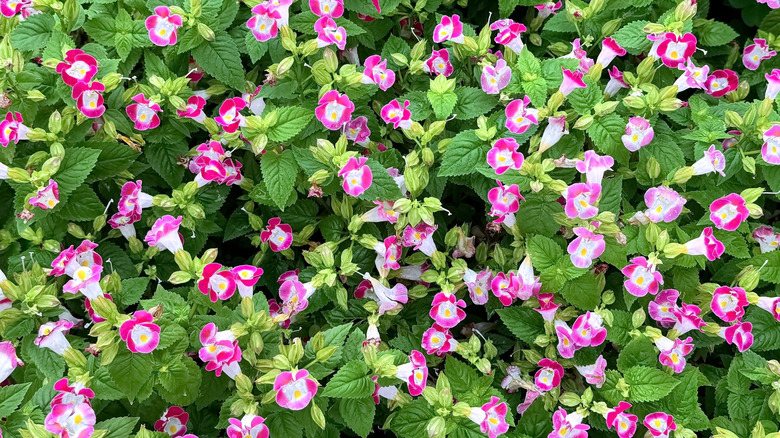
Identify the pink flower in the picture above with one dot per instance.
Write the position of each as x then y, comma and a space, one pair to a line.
566, 346
51, 335
580, 54
194, 109
594, 373
143, 113
594, 166
580, 198
770, 151
528, 284
664, 204
439, 63
420, 237
357, 130
294, 391
616, 82
504, 201
547, 9
549, 374
675, 50
162, 26
77, 67
660, 424
388, 298
728, 303
264, 22
388, 253
555, 130
449, 29
414, 372
376, 72
9, 8
509, 34
623, 422
133, 199
773, 4
334, 110
88, 98
217, 285
755, 53
70, 260
673, 352
357, 176
706, 244
513, 379
140, 332
519, 117
773, 84
250, 426
173, 422
12, 129
8, 360
74, 394
568, 425
47, 197
246, 276
692, 77
327, 8
586, 247
491, 417
609, 50
530, 397
639, 134
712, 161
478, 285
731, 141
85, 280
398, 115
587, 330
438, 340
721, 82
383, 212
642, 277
71, 420
328, 32
504, 155
740, 334
209, 170
165, 234
663, 309
278, 235
728, 212
571, 80
495, 78
230, 117
688, 318
220, 351
767, 239
547, 306
505, 287
447, 310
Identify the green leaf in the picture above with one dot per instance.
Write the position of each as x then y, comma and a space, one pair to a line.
683, 402
291, 120
164, 159
351, 381
611, 195
536, 422
649, 384
130, 371
411, 420
632, 37
524, 323
32, 33
771, 22
544, 252
766, 330
714, 33
101, 29
606, 133
11, 397
180, 382
82, 205
584, 99
74, 169
393, 45
220, 59
129, 34
583, 292
358, 414
118, 427
463, 155
132, 291
279, 172
609, 390
257, 49
473, 102
332, 337
640, 351
383, 186
442, 103
542, 207
528, 63
114, 159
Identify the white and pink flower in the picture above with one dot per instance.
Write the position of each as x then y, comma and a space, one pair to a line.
712, 161
663, 204
88, 98
478, 284
767, 239
218, 285
388, 298
676, 49
47, 197
383, 212
420, 237
449, 29
278, 235
162, 26
491, 417
194, 109
610, 49
356, 176
772, 84
549, 374
594, 166
770, 150
144, 113
397, 115
294, 390
250, 426
706, 244
140, 332
692, 77
12, 129
246, 277
566, 346
495, 77
77, 67
509, 34
439, 63
173, 422
327, 8
586, 247
438, 340
642, 278
51, 335
595, 373
504, 155
660, 424
414, 373
639, 134
567, 425
755, 53
447, 310
71, 420
505, 287
620, 420
165, 234
580, 200
547, 307
588, 330
771, 305
616, 82
547, 9
264, 22
740, 335
328, 32
555, 130
571, 81
519, 117
729, 303
721, 82
504, 202
85, 280
673, 352
663, 309
220, 351
334, 110
376, 72
8, 360
729, 212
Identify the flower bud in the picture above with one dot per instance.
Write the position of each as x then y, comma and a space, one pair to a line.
638, 318
682, 175
206, 32
583, 123
611, 27
285, 65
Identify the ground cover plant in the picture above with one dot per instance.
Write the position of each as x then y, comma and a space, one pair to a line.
412, 218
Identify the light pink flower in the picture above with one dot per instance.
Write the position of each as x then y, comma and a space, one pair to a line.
528, 284
660, 424
388, 298
712, 161
449, 29
165, 234
692, 77
673, 352
438, 340
581, 55
439, 63
140, 332
642, 277
623, 422
264, 22
663, 204
610, 49
706, 244
549, 374
639, 134
357, 176
47, 197
594, 373
571, 81
555, 130
594, 166
504, 155
220, 351
547, 9
478, 284
580, 200
568, 425
376, 71
495, 77
162, 26
676, 49
278, 235
420, 237
586, 247
383, 212
144, 113
721, 82
616, 82
566, 346
357, 130
773, 84
740, 334
519, 117
328, 32
755, 53
250, 426
414, 373
767, 239
399, 116
8, 360
663, 309
770, 150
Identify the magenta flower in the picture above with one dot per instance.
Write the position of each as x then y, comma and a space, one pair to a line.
165, 234
555, 130
220, 351
357, 176
449, 29
721, 82
414, 373
246, 276
528, 284
162, 26
509, 34
388, 253
217, 285
334, 110
8, 360
278, 235
728, 212
376, 72
616, 82
504, 201
47, 197
740, 334
547, 306
88, 98
773, 84
610, 49
571, 80
594, 373
491, 417
209, 170
478, 284
140, 332
673, 352
397, 115
547, 9
660, 424
586, 247
566, 346
327, 8
9, 8
383, 212
51, 335
294, 391
620, 420
357, 130
728, 303
74, 394
144, 113
133, 199
71, 420
12, 129
755, 53
250, 426
504, 155
712, 161
77, 67
230, 117
264, 22
767, 239
642, 277
588, 331
549, 374
495, 77
706, 244
594, 166
420, 237
439, 63
388, 298
85, 280
519, 117
194, 109
70, 260
639, 134
692, 77
505, 287
447, 310
568, 425
688, 318
580, 198
328, 32
581, 55
173, 422
675, 50
664, 204
770, 151
438, 340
